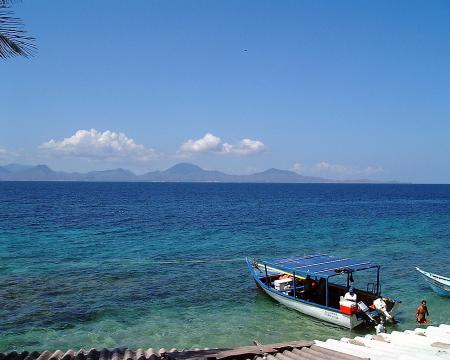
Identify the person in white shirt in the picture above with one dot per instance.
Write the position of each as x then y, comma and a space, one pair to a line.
350, 295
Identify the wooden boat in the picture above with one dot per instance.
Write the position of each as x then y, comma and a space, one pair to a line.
289, 281
439, 284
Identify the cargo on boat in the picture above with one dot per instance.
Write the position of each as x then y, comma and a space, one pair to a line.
317, 285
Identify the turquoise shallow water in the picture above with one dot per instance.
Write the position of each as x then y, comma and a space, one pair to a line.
161, 265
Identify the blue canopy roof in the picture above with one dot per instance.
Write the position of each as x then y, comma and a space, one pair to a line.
319, 265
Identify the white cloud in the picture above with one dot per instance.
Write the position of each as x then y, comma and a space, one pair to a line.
213, 144
97, 145
3, 154
298, 168
326, 167
244, 147
209, 142
6, 155
373, 170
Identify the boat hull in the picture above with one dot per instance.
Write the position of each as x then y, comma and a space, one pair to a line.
321, 313
438, 284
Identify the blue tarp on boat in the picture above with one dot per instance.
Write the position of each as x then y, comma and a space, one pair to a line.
321, 265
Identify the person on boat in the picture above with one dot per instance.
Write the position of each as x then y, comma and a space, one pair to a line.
307, 286
379, 328
350, 295
321, 291
422, 312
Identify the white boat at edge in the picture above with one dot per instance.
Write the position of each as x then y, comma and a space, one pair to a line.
439, 284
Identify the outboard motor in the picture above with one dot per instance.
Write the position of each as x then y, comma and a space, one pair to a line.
381, 306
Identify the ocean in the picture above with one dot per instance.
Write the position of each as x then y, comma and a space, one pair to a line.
134, 265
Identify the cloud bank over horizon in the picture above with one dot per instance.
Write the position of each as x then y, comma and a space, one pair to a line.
324, 168
118, 147
6, 155
100, 148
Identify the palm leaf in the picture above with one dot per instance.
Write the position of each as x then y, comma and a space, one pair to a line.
7, 2
14, 39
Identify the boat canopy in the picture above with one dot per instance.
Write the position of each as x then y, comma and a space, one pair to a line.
319, 265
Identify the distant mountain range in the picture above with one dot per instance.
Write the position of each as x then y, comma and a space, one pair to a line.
183, 172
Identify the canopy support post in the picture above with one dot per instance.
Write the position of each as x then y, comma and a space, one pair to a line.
378, 280
293, 282
267, 275
326, 292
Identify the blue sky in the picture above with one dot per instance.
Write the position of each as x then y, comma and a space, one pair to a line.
343, 89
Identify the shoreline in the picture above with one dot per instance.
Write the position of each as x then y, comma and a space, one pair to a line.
433, 341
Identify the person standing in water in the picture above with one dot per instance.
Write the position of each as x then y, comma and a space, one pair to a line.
379, 328
422, 312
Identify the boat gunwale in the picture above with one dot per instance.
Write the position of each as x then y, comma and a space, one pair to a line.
432, 276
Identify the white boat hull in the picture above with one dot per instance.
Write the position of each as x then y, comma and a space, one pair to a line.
329, 315
439, 284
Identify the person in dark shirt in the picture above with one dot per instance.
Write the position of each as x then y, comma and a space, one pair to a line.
307, 287
307, 283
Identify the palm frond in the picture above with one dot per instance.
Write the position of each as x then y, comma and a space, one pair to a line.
14, 39
7, 2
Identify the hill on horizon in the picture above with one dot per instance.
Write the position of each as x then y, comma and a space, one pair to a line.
181, 172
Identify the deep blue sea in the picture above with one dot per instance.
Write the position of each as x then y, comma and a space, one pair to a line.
87, 265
